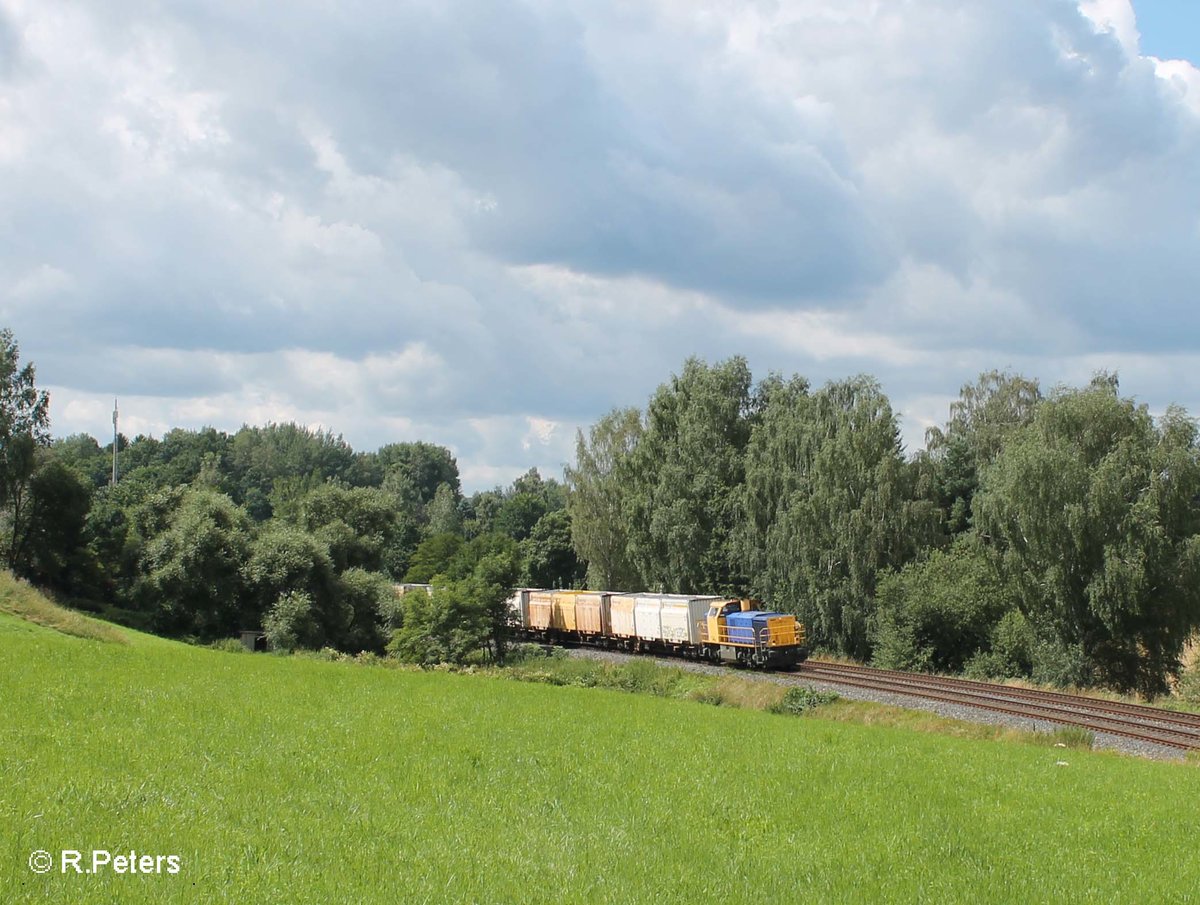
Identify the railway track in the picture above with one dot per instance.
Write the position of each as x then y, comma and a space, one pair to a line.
1135, 721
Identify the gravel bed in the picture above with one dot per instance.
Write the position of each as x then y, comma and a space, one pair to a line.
941, 708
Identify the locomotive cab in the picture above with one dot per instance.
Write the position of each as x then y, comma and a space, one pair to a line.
717, 614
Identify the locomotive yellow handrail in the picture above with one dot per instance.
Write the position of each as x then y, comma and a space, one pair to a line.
769, 636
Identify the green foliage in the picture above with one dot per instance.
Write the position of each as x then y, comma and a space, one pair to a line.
598, 486
939, 612
828, 506
180, 457
1189, 684
82, 453
52, 549
549, 556
518, 514
1010, 653
802, 698
114, 537
229, 646
288, 493
419, 467
446, 626
24, 429
260, 455
1092, 512
391, 610
1062, 664
467, 611
433, 557
442, 514
634, 676
481, 511
291, 623
514, 512
494, 566
985, 414
192, 576
362, 526
683, 480
285, 559
374, 607
1075, 737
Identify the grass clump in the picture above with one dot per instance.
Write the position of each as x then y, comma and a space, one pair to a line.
229, 646
743, 694
802, 698
20, 599
1068, 737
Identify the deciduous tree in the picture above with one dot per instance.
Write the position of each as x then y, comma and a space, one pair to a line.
828, 504
598, 486
1092, 511
24, 427
684, 480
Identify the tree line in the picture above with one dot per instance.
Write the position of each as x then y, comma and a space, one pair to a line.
208, 533
1054, 535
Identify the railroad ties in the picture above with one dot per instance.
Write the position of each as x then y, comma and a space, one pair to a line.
1136, 721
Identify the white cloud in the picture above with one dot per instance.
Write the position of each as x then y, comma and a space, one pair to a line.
493, 222
1117, 17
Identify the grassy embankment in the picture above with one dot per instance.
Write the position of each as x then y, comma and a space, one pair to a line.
286, 779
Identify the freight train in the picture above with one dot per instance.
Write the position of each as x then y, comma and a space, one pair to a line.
719, 629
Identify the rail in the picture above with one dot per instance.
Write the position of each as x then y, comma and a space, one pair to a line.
1141, 723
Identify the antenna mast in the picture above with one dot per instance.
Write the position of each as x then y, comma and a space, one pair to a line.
115, 435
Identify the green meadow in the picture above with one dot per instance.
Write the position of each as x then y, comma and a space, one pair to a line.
278, 779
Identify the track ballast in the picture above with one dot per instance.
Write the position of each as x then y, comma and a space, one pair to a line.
1135, 721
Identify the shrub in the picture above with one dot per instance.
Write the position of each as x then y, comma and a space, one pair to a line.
802, 698
935, 614
1062, 665
374, 607
1189, 685
291, 623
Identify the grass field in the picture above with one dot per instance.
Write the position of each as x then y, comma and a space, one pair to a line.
290, 780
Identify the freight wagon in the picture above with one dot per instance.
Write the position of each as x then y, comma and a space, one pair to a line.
713, 628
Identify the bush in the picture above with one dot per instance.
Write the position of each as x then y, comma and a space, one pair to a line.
524, 653
1065, 666
1189, 685
937, 613
229, 646
802, 698
291, 623
374, 608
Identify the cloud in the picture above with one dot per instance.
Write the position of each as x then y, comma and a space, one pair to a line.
493, 222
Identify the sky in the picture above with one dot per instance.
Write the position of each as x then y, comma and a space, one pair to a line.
486, 224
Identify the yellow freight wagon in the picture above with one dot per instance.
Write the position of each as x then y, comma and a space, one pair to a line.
563, 617
541, 610
593, 614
